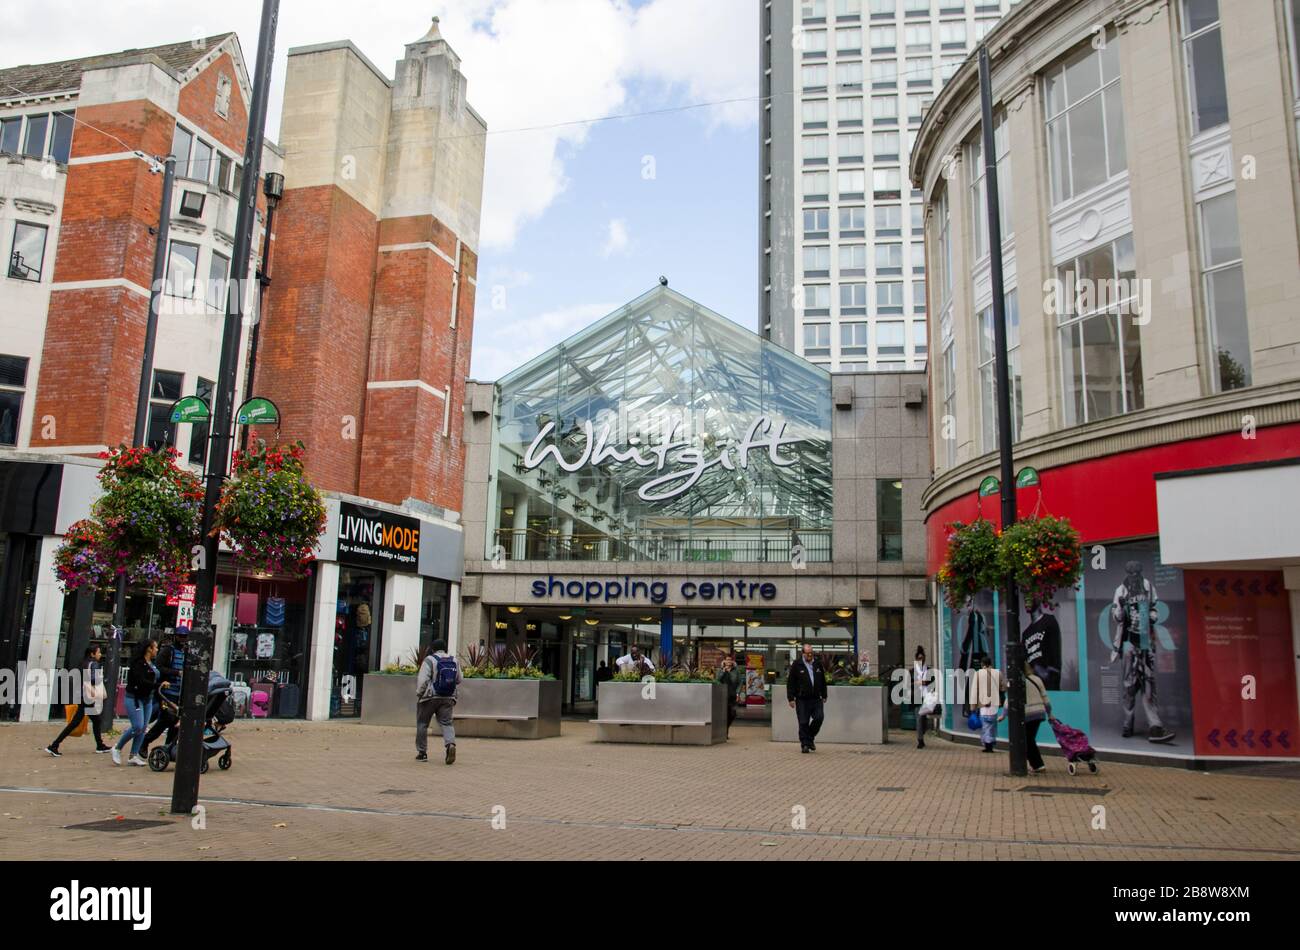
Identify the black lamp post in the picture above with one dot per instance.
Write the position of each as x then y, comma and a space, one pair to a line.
273, 190
194, 693
1011, 596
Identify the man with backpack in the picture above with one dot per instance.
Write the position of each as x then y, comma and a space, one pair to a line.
435, 695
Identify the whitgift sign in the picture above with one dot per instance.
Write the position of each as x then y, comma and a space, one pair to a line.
377, 538
681, 464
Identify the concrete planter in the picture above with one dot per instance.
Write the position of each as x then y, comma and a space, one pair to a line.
857, 715
671, 714
485, 708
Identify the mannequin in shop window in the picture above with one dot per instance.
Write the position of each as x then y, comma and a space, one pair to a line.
361, 638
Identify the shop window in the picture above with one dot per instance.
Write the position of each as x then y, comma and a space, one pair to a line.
268, 646
13, 384
433, 612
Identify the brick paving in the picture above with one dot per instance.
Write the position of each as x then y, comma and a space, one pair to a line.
314, 791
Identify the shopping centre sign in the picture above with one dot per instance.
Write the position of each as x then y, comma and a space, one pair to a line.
685, 465
728, 590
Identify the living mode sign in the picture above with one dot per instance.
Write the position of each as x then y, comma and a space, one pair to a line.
378, 537
685, 464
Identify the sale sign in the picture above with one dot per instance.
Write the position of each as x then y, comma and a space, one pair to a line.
1242, 664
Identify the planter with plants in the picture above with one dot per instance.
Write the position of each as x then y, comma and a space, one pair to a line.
682, 705
504, 694
856, 709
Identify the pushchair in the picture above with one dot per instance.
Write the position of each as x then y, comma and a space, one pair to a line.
219, 713
1074, 743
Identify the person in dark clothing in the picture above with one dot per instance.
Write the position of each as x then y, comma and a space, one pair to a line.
141, 682
730, 677
92, 699
603, 673
805, 689
171, 672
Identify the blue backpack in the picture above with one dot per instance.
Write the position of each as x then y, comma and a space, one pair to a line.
444, 675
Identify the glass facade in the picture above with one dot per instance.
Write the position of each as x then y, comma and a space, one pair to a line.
664, 432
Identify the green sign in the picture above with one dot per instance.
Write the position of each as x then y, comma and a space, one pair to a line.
258, 412
190, 409
990, 486
1027, 478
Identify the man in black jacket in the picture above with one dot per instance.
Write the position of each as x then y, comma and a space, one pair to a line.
805, 688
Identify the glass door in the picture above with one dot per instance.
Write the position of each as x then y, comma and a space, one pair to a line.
356, 638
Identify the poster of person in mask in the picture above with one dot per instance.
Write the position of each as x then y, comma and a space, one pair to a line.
1138, 664
1051, 642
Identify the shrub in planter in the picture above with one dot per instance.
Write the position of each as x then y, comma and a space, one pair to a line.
143, 525
971, 563
269, 512
1043, 555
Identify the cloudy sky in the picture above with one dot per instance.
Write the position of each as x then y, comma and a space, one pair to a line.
578, 219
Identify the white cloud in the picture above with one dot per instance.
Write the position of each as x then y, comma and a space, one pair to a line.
529, 63
503, 343
616, 239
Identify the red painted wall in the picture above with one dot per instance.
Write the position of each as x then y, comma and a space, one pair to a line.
1114, 497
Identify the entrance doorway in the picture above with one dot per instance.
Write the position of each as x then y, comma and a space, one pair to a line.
356, 639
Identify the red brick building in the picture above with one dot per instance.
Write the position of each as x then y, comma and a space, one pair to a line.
364, 333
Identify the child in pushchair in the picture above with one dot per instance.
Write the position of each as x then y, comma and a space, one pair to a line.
219, 713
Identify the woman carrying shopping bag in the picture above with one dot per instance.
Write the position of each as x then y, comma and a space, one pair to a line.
923, 685
92, 703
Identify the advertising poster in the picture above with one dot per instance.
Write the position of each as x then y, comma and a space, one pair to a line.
1137, 651
755, 694
1242, 664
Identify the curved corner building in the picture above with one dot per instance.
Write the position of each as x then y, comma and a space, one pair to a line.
1149, 197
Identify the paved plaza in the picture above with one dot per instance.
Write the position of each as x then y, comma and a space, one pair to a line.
311, 791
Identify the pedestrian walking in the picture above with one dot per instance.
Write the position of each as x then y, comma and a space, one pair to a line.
92, 702
923, 686
730, 677
171, 662
987, 696
435, 696
805, 690
141, 682
1037, 709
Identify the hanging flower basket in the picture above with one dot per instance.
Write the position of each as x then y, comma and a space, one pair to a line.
971, 564
82, 559
1043, 555
269, 512
142, 526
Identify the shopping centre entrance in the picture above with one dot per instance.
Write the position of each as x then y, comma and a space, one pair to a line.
573, 643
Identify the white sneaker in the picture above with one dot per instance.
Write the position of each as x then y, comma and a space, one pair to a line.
136, 760
117, 756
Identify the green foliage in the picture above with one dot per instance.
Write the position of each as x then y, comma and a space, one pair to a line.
971, 564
